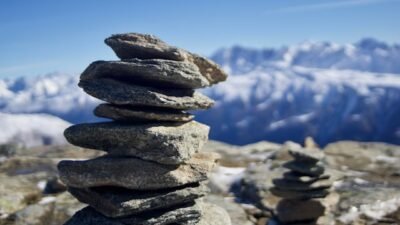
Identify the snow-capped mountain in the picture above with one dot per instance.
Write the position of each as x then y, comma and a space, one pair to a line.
32, 129
324, 90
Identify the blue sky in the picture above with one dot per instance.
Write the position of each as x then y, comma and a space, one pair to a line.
45, 36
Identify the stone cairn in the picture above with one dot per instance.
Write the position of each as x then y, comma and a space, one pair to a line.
153, 172
301, 188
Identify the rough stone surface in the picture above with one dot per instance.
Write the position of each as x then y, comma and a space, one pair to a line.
118, 202
178, 215
303, 195
134, 173
137, 114
214, 215
296, 211
306, 168
120, 93
307, 154
284, 184
153, 72
293, 176
142, 46
166, 143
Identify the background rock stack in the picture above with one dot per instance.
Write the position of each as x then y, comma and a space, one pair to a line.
301, 188
154, 171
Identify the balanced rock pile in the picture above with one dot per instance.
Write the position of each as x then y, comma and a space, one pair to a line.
301, 188
153, 172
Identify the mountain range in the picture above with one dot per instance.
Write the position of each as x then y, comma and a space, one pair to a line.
320, 89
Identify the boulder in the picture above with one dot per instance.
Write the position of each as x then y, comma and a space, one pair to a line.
121, 93
120, 202
133, 173
166, 143
141, 114
152, 72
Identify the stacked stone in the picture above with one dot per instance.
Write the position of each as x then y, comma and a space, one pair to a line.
301, 188
153, 172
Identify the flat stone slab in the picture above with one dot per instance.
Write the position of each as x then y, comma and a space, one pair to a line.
122, 93
152, 72
312, 155
293, 176
291, 211
133, 173
121, 202
284, 184
306, 168
175, 215
166, 143
138, 114
144, 46
301, 195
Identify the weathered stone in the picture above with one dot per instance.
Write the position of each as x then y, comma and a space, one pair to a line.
293, 176
312, 155
152, 72
119, 202
142, 46
284, 184
120, 93
301, 195
307, 168
137, 114
214, 215
133, 173
166, 143
289, 211
178, 215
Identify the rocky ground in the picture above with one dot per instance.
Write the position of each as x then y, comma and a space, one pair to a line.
366, 188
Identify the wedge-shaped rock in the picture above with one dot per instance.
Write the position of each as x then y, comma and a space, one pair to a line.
306, 168
137, 114
284, 184
133, 173
301, 195
152, 72
143, 46
175, 215
166, 143
121, 202
120, 93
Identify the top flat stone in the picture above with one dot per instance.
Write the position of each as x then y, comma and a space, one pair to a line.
152, 72
306, 154
144, 46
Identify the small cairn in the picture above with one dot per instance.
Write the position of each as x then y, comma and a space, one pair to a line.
153, 172
301, 188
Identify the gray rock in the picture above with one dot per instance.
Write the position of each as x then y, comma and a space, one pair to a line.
119, 202
137, 114
166, 143
235, 210
290, 211
178, 215
310, 169
301, 195
312, 155
214, 215
293, 176
142, 46
284, 184
133, 173
120, 93
152, 72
